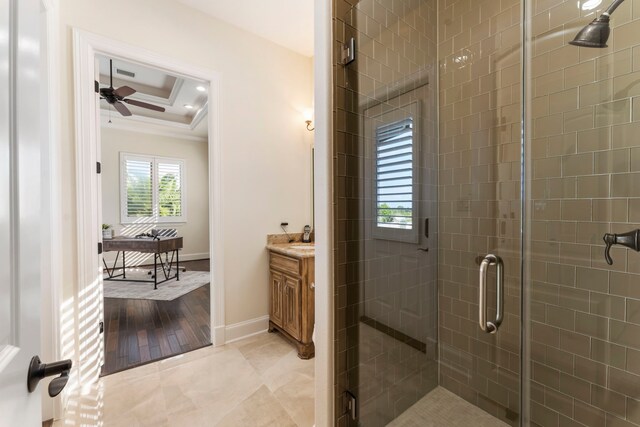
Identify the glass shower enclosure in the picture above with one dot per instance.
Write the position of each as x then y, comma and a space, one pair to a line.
486, 202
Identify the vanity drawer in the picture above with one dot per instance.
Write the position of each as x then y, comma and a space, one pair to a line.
285, 263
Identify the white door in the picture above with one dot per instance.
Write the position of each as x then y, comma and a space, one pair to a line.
19, 209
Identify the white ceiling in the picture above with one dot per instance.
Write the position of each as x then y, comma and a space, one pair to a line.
288, 23
160, 88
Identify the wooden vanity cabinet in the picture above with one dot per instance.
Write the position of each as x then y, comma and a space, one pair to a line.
291, 300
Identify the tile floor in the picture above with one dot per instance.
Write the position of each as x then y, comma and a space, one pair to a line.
258, 381
442, 408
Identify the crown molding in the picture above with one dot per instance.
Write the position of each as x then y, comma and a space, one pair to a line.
143, 126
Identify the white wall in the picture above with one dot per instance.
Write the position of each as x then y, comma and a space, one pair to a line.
195, 231
266, 148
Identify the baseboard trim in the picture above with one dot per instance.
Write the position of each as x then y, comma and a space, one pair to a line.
246, 329
217, 336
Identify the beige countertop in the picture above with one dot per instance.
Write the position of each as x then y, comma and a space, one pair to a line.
295, 249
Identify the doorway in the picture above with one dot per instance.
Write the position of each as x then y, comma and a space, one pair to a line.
492, 170
88, 49
153, 180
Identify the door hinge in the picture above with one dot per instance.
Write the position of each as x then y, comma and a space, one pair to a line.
351, 405
98, 167
96, 86
348, 54
99, 248
101, 327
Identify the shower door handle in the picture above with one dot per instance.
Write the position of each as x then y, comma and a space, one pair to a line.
491, 327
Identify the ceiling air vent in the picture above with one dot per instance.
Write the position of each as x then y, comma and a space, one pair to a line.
125, 73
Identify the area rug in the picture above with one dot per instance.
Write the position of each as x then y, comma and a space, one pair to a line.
167, 291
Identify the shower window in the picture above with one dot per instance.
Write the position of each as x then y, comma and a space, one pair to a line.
395, 174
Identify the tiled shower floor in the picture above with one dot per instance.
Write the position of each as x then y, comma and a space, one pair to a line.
442, 408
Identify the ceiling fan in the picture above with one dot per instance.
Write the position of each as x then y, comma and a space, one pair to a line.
116, 97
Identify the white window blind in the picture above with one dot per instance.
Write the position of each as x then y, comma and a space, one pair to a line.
394, 175
152, 189
139, 187
169, 189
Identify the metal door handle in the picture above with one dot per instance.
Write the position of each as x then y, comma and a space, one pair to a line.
491, 327
39, 370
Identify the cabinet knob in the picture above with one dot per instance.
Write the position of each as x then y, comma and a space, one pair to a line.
312, 285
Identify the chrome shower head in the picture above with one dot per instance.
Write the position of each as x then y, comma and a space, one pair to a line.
597, 32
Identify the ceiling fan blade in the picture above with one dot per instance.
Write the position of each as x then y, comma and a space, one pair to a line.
124, 91
122, 109
144, 105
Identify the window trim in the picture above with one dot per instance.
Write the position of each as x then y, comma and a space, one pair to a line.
375, 117
154, 218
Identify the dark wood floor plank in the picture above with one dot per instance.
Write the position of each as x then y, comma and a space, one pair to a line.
140, 331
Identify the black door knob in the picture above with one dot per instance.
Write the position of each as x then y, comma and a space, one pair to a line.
39, 370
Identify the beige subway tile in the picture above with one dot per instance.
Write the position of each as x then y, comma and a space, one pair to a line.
590, 370
577, 164
576, 210
580, 74
608, 400
593, 326
612, 161
610, 210
625, 334
593, 186
549, 125
635, 159
605, 352
549, 167
626, 35
625, 185
615, 64
548, 83
613, 113
625, 135
594, 139
561, 188
596, 93
607, 305
626, 86
580, 119
592, 279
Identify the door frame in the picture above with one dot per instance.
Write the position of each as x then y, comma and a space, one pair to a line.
86, 46
323, 191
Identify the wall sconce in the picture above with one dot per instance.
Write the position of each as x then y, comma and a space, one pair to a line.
308, 116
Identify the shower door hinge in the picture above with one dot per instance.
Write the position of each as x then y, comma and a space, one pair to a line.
349, 52
351, 405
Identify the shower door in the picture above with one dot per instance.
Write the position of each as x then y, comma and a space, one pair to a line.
427, 146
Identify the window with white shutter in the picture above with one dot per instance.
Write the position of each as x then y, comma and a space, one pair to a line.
392, 136
394, 175
152, 189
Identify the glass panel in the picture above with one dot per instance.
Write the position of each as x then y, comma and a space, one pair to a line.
583, 158
479, 147
409, 344
386, 193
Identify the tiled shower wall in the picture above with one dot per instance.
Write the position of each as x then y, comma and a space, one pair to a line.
585, 158
390, 283
480, 110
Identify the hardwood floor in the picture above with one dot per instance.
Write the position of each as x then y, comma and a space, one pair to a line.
140, 331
